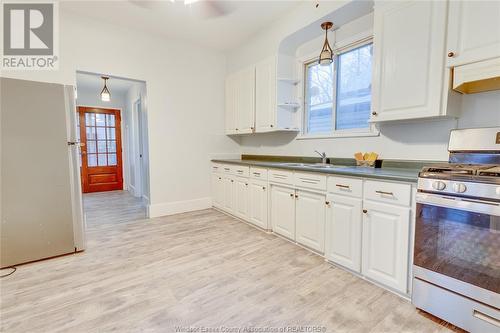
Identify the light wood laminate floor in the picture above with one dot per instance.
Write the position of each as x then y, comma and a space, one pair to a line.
112, 207
198, 269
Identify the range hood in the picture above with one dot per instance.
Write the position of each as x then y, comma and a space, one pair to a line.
477, 77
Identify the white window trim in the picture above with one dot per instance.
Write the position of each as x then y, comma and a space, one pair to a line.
340, 47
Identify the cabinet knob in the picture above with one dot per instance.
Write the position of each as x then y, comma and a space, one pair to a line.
291, 194
365, 211
327, 202
263, 187
451, 54
374, 113
232, 181
236, 129
296, 196
272, 125
251, 128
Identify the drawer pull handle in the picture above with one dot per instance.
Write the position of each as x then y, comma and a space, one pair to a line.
309, 181
486, 318
342, 186
383, 192
256, 173
280, 176
227, 169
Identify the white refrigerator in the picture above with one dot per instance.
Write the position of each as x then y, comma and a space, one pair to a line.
41, 202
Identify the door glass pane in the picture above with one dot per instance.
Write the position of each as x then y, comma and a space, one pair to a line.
100, 119
111, 134
91, 147
90, 133
90, 119
111, 159
110, 120
92, 160
101, 133
101, 159
111, 146
101, 146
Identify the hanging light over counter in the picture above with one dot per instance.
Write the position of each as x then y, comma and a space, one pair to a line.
326, 55
105, 94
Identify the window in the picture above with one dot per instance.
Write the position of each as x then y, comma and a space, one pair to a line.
338, 97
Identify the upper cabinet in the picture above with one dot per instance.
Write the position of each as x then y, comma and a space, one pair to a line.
473, 32
252, 100
410, 80
240, 102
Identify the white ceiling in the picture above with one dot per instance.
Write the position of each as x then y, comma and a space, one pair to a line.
93, 82
185, 22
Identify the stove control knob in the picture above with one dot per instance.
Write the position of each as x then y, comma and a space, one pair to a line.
438, 185
459, 187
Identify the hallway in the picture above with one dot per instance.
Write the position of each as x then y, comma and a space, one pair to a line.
112, 207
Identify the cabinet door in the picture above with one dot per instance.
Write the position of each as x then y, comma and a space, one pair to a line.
258, 204
265, 95
310, 220
231, 107
229, 200
245, 103
217, 191
409, 71
385, 244
283, 211
343, 231
241, 197
473, 31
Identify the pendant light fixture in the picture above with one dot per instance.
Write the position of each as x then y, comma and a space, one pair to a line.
105, 94
326, 55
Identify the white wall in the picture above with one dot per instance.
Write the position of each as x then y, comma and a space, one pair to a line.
185, 101
422, 140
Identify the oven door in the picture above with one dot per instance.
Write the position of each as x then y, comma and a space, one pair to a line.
459, 238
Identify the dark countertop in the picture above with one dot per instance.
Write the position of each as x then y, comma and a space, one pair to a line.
386, 173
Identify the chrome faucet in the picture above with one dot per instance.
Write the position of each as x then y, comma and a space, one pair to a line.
323, 157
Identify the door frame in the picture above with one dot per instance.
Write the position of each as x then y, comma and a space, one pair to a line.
119, 148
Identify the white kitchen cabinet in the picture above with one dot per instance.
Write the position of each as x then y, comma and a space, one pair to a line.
283, 211
217, 191
229, 195
240, 102
265, 95
385, 244
343, 231
310, 220
473, 32
258, 203
410, 80
241, 198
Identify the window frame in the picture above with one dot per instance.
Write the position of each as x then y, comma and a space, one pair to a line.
304, 62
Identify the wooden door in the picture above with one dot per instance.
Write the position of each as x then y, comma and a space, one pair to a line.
258, 203
343, 231
283, 211
310, 220
385, 244
100, 136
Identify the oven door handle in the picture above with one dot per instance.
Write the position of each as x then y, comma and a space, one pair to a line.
471, 205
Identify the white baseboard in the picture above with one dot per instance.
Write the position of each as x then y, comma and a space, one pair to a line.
176, 207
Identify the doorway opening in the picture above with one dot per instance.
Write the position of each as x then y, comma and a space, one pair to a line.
114, 154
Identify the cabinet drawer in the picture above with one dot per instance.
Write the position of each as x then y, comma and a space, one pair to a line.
345, 186
392, 193
216, 167
225, 168
281, 176
240, 170
258, 173
310, 180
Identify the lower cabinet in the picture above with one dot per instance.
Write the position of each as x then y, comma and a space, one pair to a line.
283, 211
229, 200
241, 199
217, 191
385, 244
258, 203
310, 220
343, 231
